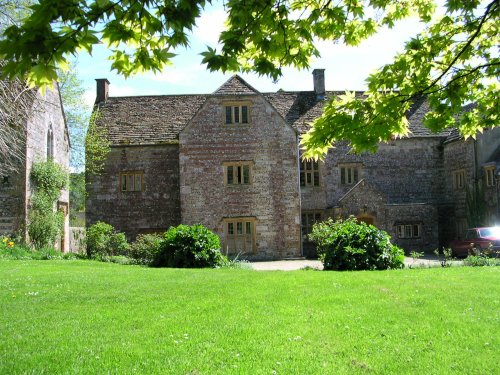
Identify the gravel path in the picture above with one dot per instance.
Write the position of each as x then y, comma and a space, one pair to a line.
297, 264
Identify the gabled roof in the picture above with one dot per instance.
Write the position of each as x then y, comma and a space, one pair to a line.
159, 119
236, 86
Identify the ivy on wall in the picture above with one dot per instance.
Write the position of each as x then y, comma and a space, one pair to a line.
44, 222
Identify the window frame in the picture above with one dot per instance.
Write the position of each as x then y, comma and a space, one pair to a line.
236, 113
489, 176
50, 143
134, 175
306, 228
458, 179
309, 173
352, 170
243, 235
409, 231
234, 165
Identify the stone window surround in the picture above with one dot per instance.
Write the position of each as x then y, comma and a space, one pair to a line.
458, 179
124, 176
233, 105
409, 230
489, 175
235, 165
240, 228
352, 173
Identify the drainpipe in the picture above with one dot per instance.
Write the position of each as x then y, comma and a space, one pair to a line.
300, 196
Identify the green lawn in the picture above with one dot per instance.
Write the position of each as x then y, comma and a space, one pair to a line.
86, 317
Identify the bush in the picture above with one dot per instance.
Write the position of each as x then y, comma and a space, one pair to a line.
481, 261
190, 247
352, 245
103, 240
145, 248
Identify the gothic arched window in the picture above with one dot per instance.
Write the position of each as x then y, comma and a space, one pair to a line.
50, 143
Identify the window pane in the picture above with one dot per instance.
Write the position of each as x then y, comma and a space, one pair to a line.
309, 178
239, 228
349, 176
416, 231
124, 182
130, 182
228, 115
138, 182
246, 174
230, 175
244, 114
407, 231
230, 228
355, 170
302, 165
315, 165
238, 175
308, 165
317, 217
342, 176
236, 115
248, 228
302, 179
316, 178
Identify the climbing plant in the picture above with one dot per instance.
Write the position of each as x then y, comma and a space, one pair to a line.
44, 222
97, 146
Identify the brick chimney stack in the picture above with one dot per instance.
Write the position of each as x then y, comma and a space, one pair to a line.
102, 90
319, 83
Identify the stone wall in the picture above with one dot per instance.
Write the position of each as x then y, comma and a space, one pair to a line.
15, 192
155, 208
272, 198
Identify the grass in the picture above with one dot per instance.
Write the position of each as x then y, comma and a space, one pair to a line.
82, 317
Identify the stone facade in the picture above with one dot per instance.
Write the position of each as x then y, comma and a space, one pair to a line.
153, 208
44, 133
199, 154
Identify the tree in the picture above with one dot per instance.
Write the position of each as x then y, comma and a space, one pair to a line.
76, 111
454, 62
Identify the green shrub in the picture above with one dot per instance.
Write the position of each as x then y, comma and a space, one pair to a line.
481, 261
352, 245
103, 240
190, 247
145, 248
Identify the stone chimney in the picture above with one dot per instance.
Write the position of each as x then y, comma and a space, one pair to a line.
102, 90
319, 83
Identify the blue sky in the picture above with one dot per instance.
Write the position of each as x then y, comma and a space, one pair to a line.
345, 67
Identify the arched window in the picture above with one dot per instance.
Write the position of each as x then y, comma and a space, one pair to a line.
50, 143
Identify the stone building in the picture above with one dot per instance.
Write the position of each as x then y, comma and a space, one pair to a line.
230, 160
44, 135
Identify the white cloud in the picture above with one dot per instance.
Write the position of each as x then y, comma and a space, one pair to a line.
209, 26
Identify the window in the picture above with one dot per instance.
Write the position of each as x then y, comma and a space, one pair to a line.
238, 173
131, 181
409, 231
309, 173
490, 176
349, 175
458, 180
308, 220
239, 235
236, 114
50, 143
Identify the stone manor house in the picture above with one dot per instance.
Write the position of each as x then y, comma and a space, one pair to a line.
230, 160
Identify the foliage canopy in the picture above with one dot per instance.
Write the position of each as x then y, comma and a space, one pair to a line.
452, 63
